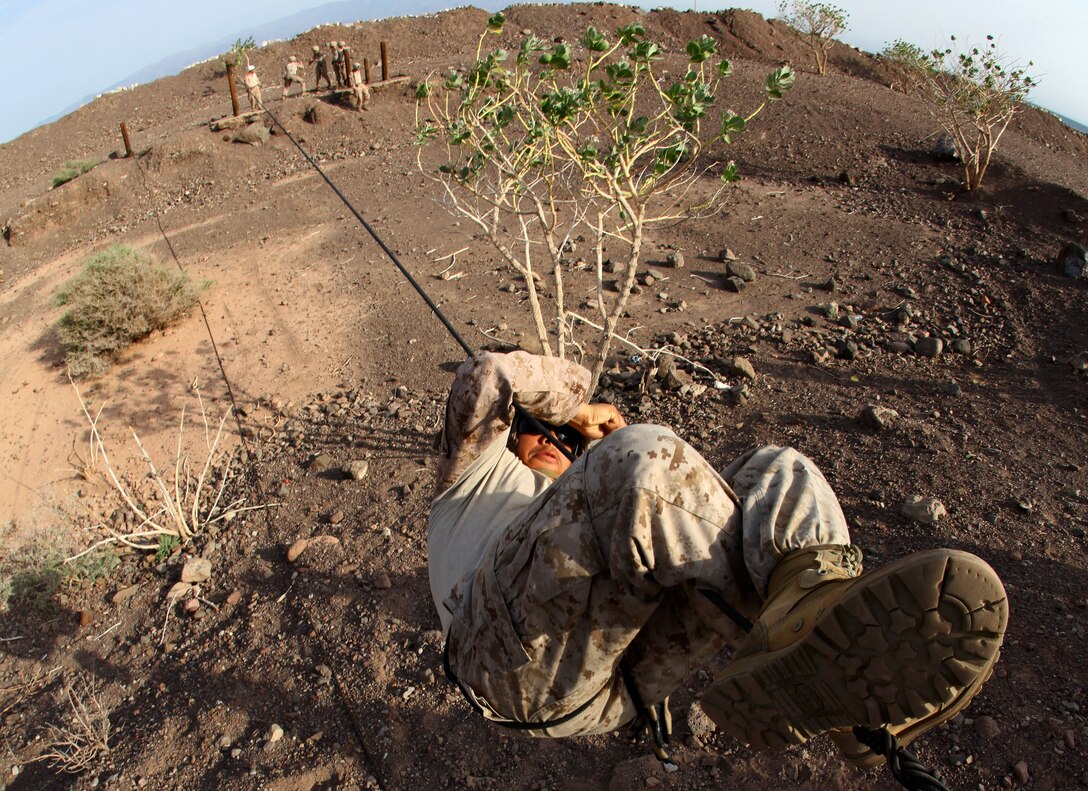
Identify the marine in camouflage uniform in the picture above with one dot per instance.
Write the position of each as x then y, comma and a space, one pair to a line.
577, 597
293, 74
253, 88
321, 67
360, 89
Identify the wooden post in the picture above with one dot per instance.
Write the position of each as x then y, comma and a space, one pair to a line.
366, 70
233, 91
385, 62
128, 143
348, 66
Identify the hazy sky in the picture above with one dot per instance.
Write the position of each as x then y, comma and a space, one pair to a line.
72, 48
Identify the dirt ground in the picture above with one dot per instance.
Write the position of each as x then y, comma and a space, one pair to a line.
325, 672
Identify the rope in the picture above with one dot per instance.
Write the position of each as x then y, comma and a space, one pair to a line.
200, 304
903, 764
408, 276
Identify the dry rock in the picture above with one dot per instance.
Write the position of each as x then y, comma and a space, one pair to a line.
196, 570
357, 469
125, 594
926, 510
877, 417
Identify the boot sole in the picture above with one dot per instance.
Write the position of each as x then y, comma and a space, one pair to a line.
863, 758
899, 645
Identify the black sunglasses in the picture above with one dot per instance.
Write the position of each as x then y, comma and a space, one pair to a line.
565, 434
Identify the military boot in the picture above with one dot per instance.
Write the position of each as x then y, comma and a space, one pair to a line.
832, 649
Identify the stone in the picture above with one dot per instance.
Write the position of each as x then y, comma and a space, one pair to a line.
675, 260
125, 594
831, 310
725, 254
987, 727
928, 346
254, 135
741, 270
296, 549
382, 581
735, 284
196, 570
900, 347
179, 589
945, 149
320, 463
234, 598
962, 346
356, 469
1020, 772
311, 115
275, 733
336, 517
700, 725
846, 350
741, 366
926, 510
876, 417
1072, 261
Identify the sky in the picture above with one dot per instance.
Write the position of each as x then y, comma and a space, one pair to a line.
75, 48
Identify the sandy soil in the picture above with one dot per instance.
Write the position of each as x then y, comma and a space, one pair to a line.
332, 357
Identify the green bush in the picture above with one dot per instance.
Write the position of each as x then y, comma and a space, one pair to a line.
120, 297
34, 575
73, 168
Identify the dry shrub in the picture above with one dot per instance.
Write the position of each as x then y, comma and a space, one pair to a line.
120, 297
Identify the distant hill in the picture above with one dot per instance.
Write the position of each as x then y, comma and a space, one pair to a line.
343, 12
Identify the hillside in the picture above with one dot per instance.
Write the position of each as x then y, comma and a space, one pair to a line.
332, 358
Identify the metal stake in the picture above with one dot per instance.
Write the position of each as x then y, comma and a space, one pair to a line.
128, 143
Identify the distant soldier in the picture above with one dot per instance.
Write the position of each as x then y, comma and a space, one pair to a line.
253, 88
321, 68
337, 64
360, 89
292, 75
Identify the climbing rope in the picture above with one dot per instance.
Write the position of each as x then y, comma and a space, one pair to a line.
902, 763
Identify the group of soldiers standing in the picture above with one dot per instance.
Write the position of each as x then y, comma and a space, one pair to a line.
348, 76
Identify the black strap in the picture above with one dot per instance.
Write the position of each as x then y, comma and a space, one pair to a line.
903, 764
734, 614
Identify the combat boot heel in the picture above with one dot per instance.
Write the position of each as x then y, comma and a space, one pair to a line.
831, 649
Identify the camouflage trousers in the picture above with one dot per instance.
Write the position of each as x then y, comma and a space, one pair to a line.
608, 564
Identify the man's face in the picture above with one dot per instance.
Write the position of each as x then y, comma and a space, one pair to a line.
537, 453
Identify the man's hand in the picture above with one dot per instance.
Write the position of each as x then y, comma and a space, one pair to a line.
594, 421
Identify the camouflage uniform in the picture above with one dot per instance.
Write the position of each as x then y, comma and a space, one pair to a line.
542, 587
253, 88
337, 63
293, 74
360, 89
321, 68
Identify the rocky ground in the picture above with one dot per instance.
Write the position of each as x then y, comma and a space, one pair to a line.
849, 300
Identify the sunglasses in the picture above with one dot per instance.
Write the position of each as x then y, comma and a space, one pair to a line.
565, 434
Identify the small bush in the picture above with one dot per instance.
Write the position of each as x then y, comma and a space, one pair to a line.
818, 24
74, 168
33, 575
120, 297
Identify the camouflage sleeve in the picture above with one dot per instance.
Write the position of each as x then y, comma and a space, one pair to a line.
481, 403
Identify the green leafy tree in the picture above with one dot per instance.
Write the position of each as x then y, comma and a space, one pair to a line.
554, 141
974, 94
818, 23
239, 52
